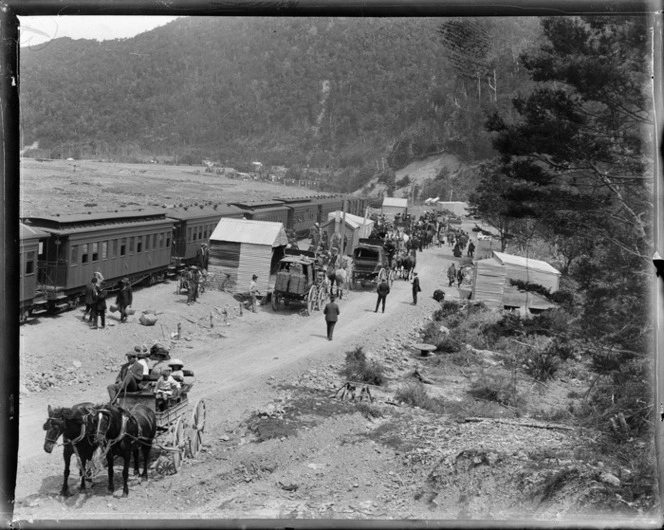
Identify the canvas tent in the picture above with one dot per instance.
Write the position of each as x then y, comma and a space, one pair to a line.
242, 248
491, 281
456, 207
392, 206
355, 227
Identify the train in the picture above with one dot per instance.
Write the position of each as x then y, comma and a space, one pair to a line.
59, 253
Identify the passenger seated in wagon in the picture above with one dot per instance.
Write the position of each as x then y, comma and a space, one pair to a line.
165, 388
177, 366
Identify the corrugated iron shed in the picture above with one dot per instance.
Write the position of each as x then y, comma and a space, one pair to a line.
240, 248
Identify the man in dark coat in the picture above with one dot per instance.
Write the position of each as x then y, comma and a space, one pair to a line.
124, 299
416, 287
383, 290
100, 307
331, 312
90, 293
131, 373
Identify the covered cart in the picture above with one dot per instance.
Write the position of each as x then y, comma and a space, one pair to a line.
299, 279
371, 263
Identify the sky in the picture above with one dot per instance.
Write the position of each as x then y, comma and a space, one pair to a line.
39, 30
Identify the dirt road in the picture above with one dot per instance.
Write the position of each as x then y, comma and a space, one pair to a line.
234, 364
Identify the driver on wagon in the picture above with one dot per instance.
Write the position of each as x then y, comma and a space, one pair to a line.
131, 373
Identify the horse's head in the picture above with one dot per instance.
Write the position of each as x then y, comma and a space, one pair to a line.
54, 427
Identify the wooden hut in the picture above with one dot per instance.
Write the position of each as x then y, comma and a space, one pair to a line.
492, 285
242, 248
354, 228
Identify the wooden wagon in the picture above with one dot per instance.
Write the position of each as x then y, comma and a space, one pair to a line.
175, 433
371, 263
300, 279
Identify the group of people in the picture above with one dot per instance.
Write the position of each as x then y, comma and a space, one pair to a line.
332, 312
165, 377
95, 300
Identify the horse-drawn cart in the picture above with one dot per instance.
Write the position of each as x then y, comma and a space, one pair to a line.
299, 279
179, 436
371, 263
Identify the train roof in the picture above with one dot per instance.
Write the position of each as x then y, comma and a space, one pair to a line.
77, 223
255, 205
292, 200
74, 218
194, 212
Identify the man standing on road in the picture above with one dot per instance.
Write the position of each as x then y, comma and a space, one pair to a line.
383, 290
90, 293
253, 291
451, 274
331, 313
416, 287
124, 299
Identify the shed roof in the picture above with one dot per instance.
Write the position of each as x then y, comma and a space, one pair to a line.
31, 232
526, 263
247, 231
394, 201
352, 220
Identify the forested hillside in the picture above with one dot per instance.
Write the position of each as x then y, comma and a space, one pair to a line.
324, 92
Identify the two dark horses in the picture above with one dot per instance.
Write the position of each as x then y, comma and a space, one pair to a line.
85, 427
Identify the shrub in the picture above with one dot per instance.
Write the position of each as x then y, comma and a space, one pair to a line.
416, 395
358, 369
369, 411
542, 365
498, 388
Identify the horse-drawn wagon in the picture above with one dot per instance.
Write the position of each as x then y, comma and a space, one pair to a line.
371, 263
179, 436
300, 279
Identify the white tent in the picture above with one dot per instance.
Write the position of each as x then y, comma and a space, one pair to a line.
242, 248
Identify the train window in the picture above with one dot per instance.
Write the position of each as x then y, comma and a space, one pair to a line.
84, 253
74, 255
147, 242
114, 248
161, 240
189, 234
200, 232
29, 263
139, 244
95, 251
123, 246
131, 245
104, 249
154, 240
205, 233
168, 240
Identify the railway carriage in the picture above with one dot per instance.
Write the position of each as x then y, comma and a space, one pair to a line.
31, 299
302, 214
327, 205
270, 210
134, 244
193, 226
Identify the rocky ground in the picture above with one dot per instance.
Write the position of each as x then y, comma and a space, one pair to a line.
278, 441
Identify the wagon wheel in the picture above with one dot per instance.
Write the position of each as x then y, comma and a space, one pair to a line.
177, 447
311, 299
275, 301
391, 276
198, 426
322, 296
